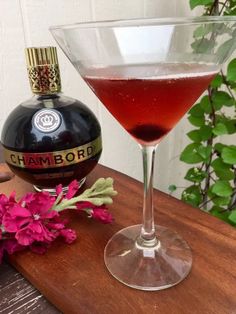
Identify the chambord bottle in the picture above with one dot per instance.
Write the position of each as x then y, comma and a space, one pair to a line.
50, 138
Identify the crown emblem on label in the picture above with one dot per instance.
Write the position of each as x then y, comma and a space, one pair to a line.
47, 120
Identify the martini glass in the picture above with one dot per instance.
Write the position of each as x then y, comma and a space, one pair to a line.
148, 73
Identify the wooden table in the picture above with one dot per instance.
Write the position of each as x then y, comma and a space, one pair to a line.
209, 289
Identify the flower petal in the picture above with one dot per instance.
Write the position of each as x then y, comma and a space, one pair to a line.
17, 211
69, 235
12, 197
12, 246
27, 198
23, 237
102, 215
41, 203
58, 189
72, 189
15, 218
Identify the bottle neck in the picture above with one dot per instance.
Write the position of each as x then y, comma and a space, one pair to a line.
47, 95
48, 100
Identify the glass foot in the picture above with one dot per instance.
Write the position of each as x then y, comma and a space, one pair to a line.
162, 265
52, 191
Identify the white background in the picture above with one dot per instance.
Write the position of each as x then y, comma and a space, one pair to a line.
25, 23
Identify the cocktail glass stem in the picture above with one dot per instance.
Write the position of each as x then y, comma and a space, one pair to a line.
148, 236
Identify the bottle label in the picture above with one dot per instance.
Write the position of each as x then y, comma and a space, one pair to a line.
53, 159
47, 120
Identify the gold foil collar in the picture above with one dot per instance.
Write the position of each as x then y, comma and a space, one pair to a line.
54, 159
43, 70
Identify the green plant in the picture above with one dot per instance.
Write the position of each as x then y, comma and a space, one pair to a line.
213, 171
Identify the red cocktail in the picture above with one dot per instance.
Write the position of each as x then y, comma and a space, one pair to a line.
149, 100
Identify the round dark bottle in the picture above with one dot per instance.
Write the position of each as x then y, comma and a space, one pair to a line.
50, 138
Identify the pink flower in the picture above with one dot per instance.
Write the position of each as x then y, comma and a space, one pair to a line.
16, 217
3, 206
58, 189
12, 197
27, 198
84, 205
29, 220
101, 214
10, 246
97, 212
41, 203
34, 220
35, 231
72, 189
69, 235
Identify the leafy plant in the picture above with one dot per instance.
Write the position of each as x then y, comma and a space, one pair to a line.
213, 171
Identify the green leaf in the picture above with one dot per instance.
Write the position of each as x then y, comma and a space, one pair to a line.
231, 12
195, 136
205, 104
224, 174
220, 213
229, 154
222, 170
222, 188
220, 129
221, 201
219, 147
231, 70
196, 121
190, 154
195, 3
196, 111
217, 82
205, 132
220, 99
209, 193
172, 188
218, 164
192, 195
232, 216
204, 151
195, 175
199, 135
230, 124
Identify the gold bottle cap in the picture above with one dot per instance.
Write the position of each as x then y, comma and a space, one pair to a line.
43, 70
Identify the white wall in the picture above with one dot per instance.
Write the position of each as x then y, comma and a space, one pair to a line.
25, 23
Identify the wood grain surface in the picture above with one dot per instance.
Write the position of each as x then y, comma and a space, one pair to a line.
74, 278
17, 296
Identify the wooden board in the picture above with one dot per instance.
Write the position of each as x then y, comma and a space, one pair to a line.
18, 296
74, 278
